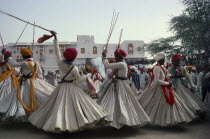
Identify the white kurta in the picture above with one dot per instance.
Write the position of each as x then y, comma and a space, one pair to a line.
6, 86
160, 112
193, 77
88, 84
199, 83
190, 99
69, 108
119, 101
10, 106
97, 82
143, 80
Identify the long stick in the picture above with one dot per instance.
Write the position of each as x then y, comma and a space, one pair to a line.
113, 23
120, 38
33, 34
20, 35
23, 20
2, 40
110, 30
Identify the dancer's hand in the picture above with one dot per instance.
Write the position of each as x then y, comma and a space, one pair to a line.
3, 51
54, 34
104, 53
170, 84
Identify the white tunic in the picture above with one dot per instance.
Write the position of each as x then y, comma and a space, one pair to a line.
69, 108
192, 77
10, 107
6, 86
119, 101
160, 112
143, 80
192, 100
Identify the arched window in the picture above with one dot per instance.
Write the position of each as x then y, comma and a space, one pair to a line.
130, 48
94, 50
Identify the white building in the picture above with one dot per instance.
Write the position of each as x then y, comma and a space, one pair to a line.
45, 54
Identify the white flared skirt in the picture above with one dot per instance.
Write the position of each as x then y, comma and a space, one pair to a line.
160, 112
10, 107
192, 100
122, 106
69, 108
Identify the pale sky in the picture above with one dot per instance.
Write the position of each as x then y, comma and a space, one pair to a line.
140, 19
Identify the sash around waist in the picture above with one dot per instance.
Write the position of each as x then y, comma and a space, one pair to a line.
120, 78
66, 81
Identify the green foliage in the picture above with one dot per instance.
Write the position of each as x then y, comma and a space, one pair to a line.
191, 29
166, 45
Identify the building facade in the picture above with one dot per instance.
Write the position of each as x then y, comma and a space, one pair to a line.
87, 49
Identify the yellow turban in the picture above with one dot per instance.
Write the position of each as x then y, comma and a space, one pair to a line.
26, 52
87, 68
189, 67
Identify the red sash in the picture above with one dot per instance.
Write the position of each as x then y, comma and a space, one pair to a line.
169, 99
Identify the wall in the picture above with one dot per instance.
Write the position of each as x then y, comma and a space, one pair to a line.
49, 62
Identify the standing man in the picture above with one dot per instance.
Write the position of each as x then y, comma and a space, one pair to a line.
205, 81
199, 81
134, 80
191, 74
143, 79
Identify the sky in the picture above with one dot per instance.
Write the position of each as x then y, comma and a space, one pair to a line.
145, 20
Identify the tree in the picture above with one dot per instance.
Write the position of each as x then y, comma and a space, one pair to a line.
166, 45
192, 27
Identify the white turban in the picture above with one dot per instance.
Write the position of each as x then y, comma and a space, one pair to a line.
159, 56
133, 68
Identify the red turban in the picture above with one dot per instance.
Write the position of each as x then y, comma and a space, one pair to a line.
6, 52
142, 69
44, 38
120, 52
176, 57
112, 61
70, 54
95, 70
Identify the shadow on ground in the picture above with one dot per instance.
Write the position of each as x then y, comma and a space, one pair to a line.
195, 130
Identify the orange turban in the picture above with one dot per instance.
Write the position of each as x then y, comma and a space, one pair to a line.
189, 67
87, 68
26, 52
